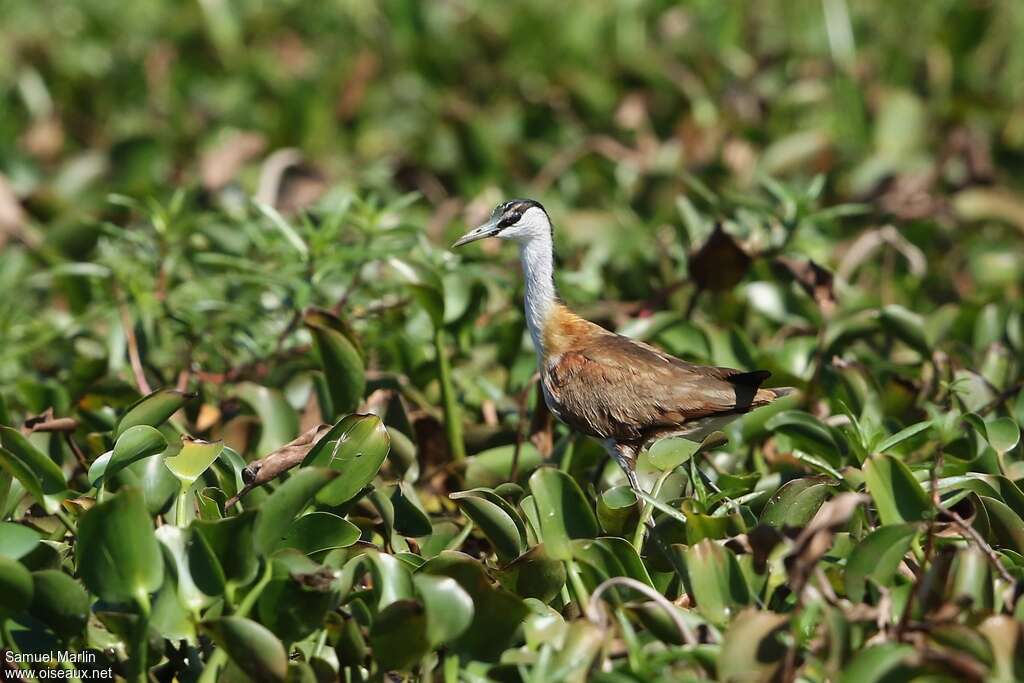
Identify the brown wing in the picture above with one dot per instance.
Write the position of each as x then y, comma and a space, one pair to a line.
615, 387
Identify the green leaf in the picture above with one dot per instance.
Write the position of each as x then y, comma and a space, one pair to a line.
618, 510
534, 574
16, 540
339, 358
194, 458
876, 557
355, 448
1007, 526
425, 287
564, 511
752, 648
51, 478
181, 549
498, 521
277, 513
135, 443
497, 614
449, 607
152, 410
60, 602
907, 327
252, 647
807, 434
119, 557
493, 467
279, 423
410, 518
902, 435
873, 663
796, 502
717, 581
15, 588
1003, 434
231, 544
897, 494
319, 531
399, 635
668, 454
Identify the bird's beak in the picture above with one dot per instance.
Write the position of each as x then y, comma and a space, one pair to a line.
488, 229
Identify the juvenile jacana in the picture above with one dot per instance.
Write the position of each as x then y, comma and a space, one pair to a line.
624, 392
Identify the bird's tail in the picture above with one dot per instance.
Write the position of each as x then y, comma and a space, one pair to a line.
766, 396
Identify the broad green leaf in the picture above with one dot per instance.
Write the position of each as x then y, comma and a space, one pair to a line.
534, 575
252, 647
497, 614
119, 558
49, 474
15, 588
152, 410
494, 466
875, 662
399, 635
60, 602
717, 581
224, 550
496, 519
668, 454
279, 423
410, 517
355, 448
320, 531
876, 557
339, 358
181, 550
135, 443
752, 648
618, 510
1003, 434
16, 540
424, 285
796, 503
1007, 526
449, 607
299, 596
564, 512
277, 513
194, 458
897, 494
807, 434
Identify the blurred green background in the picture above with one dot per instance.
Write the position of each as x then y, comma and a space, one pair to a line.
830, 190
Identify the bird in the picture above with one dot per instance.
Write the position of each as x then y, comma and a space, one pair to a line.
623, 392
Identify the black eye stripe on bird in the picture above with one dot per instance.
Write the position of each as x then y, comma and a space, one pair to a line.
623, 392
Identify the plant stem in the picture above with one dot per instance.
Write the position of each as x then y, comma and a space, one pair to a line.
452, 414
181, 506
219, 656
140, 648
578, 589
648, 510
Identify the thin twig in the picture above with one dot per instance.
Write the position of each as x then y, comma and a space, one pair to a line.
133, 349
982, 545
597, 615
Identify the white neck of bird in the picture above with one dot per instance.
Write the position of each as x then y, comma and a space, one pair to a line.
537, 257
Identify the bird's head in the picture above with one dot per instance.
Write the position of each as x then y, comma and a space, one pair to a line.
519, 220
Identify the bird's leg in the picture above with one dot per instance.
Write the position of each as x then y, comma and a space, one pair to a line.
626, 457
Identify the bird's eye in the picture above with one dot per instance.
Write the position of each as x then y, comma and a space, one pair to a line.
511, 219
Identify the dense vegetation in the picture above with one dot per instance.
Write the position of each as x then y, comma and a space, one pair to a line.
222, 238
